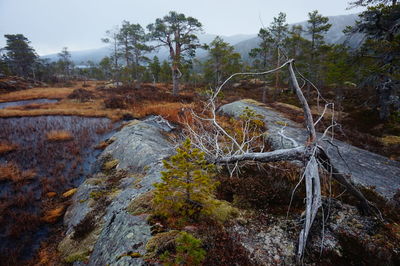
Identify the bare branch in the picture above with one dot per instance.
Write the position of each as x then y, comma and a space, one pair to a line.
297, 153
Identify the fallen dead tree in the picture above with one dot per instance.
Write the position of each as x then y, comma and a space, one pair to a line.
224, 148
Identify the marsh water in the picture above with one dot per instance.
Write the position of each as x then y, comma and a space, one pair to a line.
26, 102
53, 167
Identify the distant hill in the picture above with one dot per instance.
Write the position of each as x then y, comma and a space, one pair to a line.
96, 55
335, 35
243, 43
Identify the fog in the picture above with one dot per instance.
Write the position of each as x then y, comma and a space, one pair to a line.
80, 24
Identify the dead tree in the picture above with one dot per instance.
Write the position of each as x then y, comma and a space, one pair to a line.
312, 154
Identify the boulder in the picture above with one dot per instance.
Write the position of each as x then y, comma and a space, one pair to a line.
364, 168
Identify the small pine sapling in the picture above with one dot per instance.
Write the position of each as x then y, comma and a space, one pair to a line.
187, 187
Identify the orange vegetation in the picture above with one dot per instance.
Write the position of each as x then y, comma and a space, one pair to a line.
94, 108
172, 111
52, 216
11, 172
6, 147
36, 93
69, 193
59, 135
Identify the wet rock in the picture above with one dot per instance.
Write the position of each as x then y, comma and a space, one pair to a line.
366, 168
139, 149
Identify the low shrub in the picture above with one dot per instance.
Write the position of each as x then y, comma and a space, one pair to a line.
270, 188
81, 95
118, 102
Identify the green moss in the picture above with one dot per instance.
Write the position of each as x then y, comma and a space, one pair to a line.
97, 194
281, 123
160, 243
223, 211
79, 256
141, 204
130, 254
110, 165
146, 168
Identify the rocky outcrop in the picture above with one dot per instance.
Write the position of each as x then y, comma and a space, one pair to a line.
365, 168
100, 230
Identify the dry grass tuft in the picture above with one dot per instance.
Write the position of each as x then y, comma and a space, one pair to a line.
59, 135
388, 140
6, 147
69, 193
52, 216
172, 111
11, 172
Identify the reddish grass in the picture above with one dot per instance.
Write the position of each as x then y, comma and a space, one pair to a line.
173, 112
53, 215
11, 172
6, 147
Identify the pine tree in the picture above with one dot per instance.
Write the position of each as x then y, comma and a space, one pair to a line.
65, 64
262, 54
317, 26
222, 61
380, 56
155, 69
187, 187
279, 31
19, 56
177, 32
165, 72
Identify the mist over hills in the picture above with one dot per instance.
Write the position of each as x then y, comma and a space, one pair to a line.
335, 35
243, 43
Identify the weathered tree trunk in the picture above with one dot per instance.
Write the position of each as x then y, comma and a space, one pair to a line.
278, 63
265, 94
311, 154
175, 81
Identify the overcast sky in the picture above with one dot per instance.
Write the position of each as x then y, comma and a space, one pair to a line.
80, 24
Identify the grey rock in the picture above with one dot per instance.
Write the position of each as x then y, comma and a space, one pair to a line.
139, 148
365, 168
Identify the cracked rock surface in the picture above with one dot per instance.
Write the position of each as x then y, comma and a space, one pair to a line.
139, 149
365, 168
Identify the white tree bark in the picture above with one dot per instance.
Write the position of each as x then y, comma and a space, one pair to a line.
311, 154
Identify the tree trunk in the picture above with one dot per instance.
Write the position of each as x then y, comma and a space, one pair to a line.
175, 81
311, 154
265, 94
276, 92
